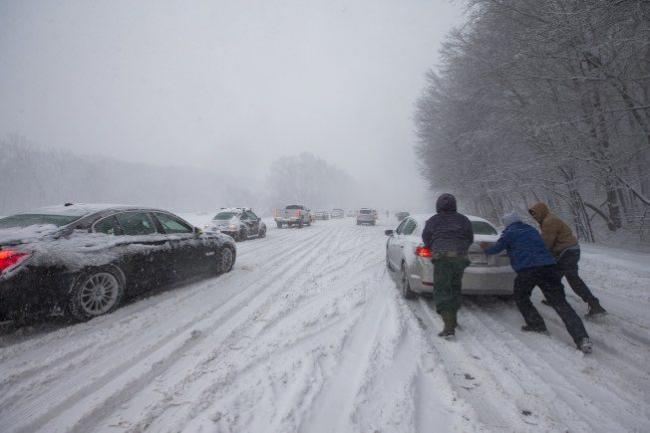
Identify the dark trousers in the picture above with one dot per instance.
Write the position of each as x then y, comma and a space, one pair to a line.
447, 282
568, 266
549, 280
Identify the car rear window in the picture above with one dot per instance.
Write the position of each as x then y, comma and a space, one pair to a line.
365, 211
294, 206
483, 228
224, 216
26, 220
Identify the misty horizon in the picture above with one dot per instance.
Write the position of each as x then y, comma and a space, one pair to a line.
226, 87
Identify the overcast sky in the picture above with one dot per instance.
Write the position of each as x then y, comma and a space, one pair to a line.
228, 85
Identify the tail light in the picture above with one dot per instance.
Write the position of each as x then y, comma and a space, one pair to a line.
423, 252
10, 258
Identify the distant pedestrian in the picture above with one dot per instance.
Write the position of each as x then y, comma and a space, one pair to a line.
448, 234
535, 266
559, 239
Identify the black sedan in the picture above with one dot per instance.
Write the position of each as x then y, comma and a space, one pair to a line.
85, 259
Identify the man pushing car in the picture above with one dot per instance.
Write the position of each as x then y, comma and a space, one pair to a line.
448, 234
535, 266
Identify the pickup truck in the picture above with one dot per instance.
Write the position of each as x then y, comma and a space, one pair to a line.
293, 215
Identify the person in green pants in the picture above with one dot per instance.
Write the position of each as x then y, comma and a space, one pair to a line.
448, 234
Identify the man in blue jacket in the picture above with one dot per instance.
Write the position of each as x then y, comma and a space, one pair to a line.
535, 266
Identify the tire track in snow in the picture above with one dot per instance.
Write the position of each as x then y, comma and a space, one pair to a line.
286, 274
237, 335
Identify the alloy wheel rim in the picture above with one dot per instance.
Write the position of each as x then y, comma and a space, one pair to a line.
99, 293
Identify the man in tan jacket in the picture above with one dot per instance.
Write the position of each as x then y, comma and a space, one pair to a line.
564, 246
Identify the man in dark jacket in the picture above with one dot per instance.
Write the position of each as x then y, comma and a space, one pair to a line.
448, 235
559, 239
535, 266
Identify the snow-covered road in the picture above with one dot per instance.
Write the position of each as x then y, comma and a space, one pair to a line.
308, 334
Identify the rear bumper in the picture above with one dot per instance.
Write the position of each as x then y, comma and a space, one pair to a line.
32, 290
477, 280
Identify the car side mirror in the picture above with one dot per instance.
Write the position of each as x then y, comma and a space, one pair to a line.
389, 233
197, 231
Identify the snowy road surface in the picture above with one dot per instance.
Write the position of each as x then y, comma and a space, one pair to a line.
308, 334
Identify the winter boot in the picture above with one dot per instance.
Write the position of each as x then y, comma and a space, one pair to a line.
541, 329
595, 309
585, 345
449, 319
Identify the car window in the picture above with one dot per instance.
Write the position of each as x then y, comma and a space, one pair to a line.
483, 228
108, 226
136, 223
400, 227
224, 215
171, 224
250, 215
409, 226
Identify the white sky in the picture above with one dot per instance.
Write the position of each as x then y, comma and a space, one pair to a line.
229, 85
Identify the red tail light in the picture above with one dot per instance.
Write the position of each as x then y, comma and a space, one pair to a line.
423, 252
9, 258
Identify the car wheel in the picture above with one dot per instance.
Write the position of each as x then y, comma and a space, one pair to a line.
262, 233
279, 225
405, 285
243, 235
96, 293
225, 260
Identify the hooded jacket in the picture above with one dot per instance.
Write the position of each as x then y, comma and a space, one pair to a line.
557, 235
448, 231
524, 246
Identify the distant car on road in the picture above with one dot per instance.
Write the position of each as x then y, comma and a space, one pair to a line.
239, 223
401, 215
85, 259
407, 256
322, 215
366, 216
337, 213
293, 215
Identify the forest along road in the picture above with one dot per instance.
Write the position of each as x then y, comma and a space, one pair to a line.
309, 334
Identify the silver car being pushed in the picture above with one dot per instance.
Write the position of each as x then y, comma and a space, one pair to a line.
406, 255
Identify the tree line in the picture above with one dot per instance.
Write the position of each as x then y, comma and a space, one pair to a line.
544, 100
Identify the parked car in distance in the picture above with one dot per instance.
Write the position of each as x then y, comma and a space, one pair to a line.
322, 215
293, 215
337, 213
366, 216
240, 223
407, 256
401, 215
85, 259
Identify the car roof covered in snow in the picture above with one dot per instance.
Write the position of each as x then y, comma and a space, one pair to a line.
79, 209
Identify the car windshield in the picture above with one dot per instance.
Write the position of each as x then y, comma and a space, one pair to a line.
26, 220
483, 228
224, 216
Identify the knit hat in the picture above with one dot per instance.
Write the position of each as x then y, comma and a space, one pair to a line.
510, 218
